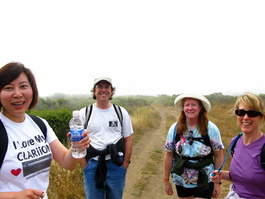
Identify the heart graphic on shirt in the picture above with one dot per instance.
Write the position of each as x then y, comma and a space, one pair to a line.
16, 172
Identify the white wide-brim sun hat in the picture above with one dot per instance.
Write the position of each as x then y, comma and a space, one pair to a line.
179, 101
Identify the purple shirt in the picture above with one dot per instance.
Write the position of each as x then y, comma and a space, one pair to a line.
246, 171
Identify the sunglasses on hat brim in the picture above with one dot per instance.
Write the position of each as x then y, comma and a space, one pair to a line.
250, 113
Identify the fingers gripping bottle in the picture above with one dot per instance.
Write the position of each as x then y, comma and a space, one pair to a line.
76, 129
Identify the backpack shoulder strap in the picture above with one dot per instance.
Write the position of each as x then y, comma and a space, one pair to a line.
233, 144
262, 158
88, 114
206, 140
4, 138
3, 143
41, 124
176, 137
262, 154
119, 113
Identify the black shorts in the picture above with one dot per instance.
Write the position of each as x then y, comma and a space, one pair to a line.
186, 192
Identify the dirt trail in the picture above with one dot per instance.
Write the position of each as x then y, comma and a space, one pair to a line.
150, 142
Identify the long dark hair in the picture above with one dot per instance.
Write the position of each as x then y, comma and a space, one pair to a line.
12, 71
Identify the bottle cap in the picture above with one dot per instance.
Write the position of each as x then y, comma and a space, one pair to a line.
76, 113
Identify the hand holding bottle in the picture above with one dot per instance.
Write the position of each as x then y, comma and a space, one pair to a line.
76, 130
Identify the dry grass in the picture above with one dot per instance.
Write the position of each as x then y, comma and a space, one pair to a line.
66, 184
69, 184
143, 119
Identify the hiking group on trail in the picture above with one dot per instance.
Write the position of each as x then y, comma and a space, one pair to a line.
193, 148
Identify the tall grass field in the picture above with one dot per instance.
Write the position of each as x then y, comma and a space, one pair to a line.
66, 184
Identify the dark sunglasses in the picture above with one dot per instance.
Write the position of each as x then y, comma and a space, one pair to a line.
190, 138
251, 113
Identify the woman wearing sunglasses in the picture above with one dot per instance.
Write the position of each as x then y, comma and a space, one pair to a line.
246, 172
191, 144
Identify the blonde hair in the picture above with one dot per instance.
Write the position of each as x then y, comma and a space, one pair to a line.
252, 101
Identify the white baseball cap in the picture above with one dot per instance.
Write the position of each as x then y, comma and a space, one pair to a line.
107, 79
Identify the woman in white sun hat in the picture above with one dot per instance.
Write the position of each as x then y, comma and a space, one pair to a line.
193, 150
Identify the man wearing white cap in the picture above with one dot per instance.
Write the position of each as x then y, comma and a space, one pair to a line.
191, 144
110, 130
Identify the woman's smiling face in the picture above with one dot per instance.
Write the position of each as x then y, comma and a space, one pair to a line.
191, 108
248, 124
16, 98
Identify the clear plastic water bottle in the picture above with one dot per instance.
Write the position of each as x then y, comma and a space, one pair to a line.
76, 129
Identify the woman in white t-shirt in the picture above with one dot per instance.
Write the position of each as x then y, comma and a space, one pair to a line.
25, 169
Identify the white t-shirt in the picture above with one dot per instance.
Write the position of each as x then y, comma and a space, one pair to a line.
28, 157
104, 127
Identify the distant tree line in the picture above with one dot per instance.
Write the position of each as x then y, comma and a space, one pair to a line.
57, 109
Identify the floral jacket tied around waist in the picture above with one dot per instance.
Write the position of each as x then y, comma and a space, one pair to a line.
193, 163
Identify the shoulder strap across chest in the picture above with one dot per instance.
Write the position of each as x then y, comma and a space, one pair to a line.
4, 138
204, 138
89, 112
262, 158
262, 153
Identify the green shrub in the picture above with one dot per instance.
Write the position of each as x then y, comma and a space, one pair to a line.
57, 119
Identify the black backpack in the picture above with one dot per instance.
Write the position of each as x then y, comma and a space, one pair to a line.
262, 154
89, 112
4, 138
203, 139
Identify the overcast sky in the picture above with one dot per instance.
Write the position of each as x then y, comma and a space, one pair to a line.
147, 47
